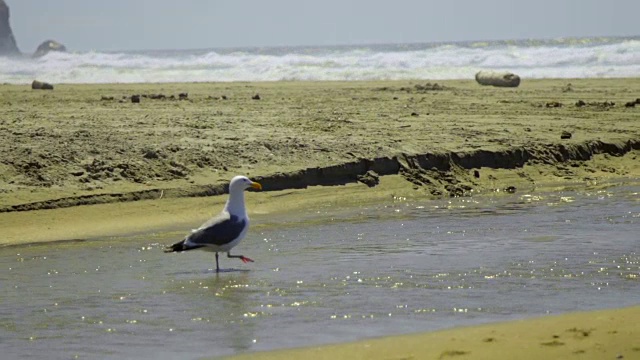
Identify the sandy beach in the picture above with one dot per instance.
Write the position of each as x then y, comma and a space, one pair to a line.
84, 162
90, 144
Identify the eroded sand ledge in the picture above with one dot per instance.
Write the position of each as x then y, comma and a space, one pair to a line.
415, 168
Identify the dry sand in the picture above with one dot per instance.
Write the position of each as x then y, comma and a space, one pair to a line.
89, 144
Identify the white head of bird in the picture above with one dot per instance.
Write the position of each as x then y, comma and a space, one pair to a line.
237, 186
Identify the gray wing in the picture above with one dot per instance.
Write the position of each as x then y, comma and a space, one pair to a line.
219, 230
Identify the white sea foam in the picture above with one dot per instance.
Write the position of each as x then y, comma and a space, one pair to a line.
586, 58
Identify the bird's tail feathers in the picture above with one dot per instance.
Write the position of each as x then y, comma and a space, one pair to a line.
179, 247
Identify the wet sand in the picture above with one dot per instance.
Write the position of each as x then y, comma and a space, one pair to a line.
150, 166
609, 334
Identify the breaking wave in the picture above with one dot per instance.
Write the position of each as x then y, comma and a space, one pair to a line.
563, 58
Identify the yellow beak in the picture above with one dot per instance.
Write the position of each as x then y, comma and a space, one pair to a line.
256, 186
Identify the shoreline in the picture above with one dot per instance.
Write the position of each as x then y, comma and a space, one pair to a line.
177, 215
599, 334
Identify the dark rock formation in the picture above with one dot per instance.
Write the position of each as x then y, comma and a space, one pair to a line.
47, 46
501, 79
7, 40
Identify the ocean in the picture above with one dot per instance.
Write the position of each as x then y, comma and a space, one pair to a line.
553, 58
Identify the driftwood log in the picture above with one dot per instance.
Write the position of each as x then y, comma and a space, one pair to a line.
494, 78
39, 85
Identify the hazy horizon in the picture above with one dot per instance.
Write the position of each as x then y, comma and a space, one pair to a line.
198, 24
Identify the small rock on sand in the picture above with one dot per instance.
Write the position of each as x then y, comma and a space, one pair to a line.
370, 178
633, 103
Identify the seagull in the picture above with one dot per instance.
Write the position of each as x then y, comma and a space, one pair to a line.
223, 232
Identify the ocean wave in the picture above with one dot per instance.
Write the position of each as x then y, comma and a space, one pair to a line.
529, 59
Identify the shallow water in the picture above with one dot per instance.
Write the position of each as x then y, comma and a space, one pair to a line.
325, 276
